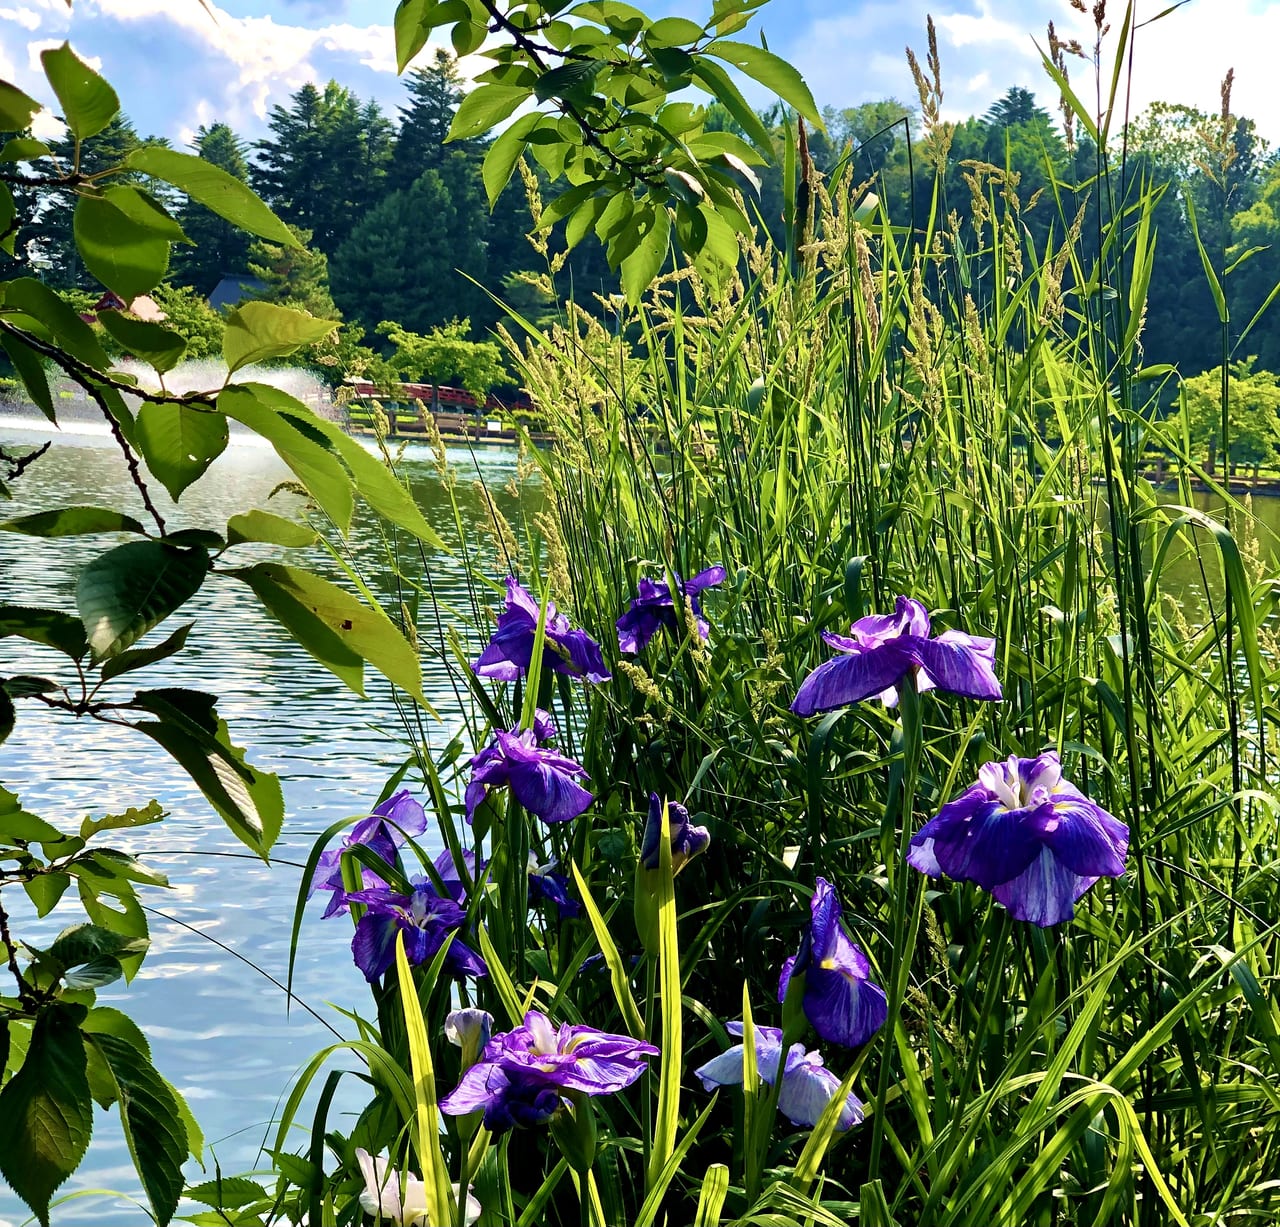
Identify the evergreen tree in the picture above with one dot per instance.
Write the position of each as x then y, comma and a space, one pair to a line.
325, 164
434, 94
221, 248
295, 277
47, 245
400, 260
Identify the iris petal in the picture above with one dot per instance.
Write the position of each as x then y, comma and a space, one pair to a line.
807, 1089
843, 1010
850, 679
960, 663
1086, 839
1044, 893
975, 840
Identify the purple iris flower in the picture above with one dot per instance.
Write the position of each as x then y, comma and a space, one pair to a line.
654, 608
525, 1075
450, 877
839, 999
807, 1085
882, 649
543, 780
1024, 834
687, 840
426, 918
510, 650
546, 884
382, 832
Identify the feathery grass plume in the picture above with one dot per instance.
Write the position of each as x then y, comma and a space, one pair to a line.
496, 527
640, 680
938, 132
1059, 49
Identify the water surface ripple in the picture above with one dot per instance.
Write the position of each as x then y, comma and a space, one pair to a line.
219, 1030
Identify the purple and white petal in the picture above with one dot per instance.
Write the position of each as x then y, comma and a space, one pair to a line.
849, 679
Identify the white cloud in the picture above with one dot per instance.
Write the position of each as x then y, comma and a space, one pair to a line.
46, 126
27, 18
36, 46
982, 28
987, 46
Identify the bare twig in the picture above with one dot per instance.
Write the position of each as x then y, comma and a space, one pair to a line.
131, 460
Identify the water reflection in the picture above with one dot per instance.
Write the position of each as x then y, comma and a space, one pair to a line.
218, 1029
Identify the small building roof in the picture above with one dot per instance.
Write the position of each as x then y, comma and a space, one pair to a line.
234, 288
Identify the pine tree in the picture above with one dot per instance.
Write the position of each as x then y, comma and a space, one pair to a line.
326, 162
221, 248
295, 277
47, 245
434, 95
400, 261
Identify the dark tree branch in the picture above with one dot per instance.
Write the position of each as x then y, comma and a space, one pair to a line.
131, 460
592, 134
82, 373
16, 464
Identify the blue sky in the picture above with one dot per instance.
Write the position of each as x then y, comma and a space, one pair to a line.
177, 64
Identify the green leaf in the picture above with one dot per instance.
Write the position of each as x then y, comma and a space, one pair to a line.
161, 347
771, 71
259, 330
63, 324
46, 1114
411, 30
25, 685
353, 627
125, 256
314, 465
88, 103
51, 627
73, 522
143, 209
87, 943
571, 79
46, 889
95, 974
22, 148
483, 108
376, 484
153, 811
123, 593
16, 108
214, 188
646, 259
426, 1117
179, 443
267, 527
673, 32
152, 1124
30, 368
718, 83
140, 658
17, 825
501, 157
229, 1193
249, 801
120, 865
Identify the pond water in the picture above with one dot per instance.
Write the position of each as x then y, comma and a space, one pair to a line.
218, 1028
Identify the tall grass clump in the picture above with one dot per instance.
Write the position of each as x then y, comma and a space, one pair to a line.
885, 407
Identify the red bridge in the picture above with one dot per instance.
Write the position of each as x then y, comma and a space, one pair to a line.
438, 396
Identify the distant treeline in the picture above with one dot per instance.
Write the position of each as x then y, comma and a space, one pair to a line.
399, 229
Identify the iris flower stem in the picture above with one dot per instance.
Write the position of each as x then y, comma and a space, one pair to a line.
758, 1146
994, 958
906, 919
650, 993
